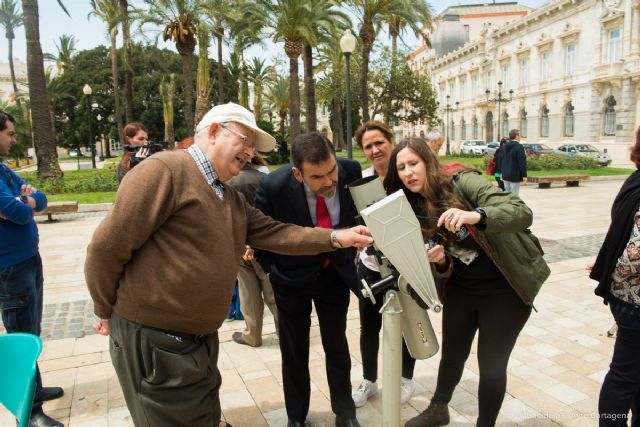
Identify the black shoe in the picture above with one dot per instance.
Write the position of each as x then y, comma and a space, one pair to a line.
347, 422
298, 424
40, 419
49, 393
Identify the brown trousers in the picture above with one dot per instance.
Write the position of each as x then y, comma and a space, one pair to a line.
167, 378
255, 291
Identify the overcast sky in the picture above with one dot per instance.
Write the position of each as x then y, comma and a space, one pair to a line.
91, 32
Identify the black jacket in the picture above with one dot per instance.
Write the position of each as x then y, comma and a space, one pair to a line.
281, 197
513, 161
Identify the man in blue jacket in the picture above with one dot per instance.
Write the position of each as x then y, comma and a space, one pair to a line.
512, 163
20, 264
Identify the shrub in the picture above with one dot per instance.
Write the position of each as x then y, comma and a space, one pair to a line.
553, 161
83, 181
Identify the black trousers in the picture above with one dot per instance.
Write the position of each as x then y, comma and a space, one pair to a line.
168, 379
330, 296
370, 325
499, 320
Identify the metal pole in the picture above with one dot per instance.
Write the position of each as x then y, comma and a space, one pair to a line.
447, 128
499, 94
347, 56
392, 359
91, 141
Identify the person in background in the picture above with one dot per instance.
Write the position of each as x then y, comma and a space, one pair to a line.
162, 311
21, 279
513, 163
135, 134
435, 139
254, 288
490, 290
617, 270
496, 160
312, 191
376, 141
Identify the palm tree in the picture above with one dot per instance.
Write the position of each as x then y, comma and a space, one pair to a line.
222, 14
128, 69
66, 48
332, 85
324, 18
108, 11
203, 86
260, 75
43, 137
168, 94
398, 25
278, 96
371, 13
179, 18
10, 19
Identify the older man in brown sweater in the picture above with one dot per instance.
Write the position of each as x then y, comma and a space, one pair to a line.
162, 265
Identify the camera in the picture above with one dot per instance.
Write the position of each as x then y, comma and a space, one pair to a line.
153, 147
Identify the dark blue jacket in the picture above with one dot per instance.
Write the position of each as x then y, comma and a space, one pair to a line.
18, 231
281, 197
513, 161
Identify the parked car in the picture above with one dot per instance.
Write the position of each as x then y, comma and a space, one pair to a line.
492, 147
536, 148
473, 146
73, 152
585, 150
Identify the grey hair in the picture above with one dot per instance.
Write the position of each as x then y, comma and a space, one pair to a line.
513, 133
434, 135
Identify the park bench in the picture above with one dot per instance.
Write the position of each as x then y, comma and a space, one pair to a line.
545, 181
58, 208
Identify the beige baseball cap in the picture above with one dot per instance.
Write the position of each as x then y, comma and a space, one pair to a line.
236, 113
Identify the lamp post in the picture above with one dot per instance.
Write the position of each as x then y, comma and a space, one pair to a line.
87, 92
449, 108
347, 45
499, 99
99, 119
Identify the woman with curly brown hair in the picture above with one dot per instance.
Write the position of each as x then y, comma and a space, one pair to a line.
490, 289
617, 270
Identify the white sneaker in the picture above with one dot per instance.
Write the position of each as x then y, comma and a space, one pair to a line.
407, 387
365, 390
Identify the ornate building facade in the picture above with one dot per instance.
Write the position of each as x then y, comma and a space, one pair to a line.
573, 67
6, 87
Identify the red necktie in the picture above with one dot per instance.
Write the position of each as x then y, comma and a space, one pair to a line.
323, 219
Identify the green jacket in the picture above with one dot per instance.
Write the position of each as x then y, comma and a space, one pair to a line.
505, 239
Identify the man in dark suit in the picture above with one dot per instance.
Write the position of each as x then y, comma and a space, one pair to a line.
312, 191
512, 163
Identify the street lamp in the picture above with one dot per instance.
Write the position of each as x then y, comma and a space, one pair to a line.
499, 99
449, 108
87, 92
99, 119
347, 45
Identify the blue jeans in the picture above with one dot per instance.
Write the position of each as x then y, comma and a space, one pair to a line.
511, 187
621, 387
21, 302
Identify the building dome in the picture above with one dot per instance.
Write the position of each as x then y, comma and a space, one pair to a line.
450, 35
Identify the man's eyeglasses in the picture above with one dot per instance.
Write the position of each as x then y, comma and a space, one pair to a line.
243, 138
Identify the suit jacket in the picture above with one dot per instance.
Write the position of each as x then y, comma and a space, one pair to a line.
246, 182
513, 161
281, 197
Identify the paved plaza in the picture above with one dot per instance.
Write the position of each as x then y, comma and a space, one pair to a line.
555, 371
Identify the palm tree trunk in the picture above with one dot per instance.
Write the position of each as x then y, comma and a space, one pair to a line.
44, 140
294, 99
338, 130
367, 35
257, 99
283, 118
309, 89
12, 70
116, 90
219, 32
128, 70
188, 87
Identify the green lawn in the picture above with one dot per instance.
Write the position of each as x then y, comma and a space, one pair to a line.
84, 198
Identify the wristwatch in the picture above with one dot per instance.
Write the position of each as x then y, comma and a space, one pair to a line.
334, 239
483, 218
24, 199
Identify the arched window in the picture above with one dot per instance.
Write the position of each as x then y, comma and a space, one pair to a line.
523, 123
463, 129
568, 119
489, 126
505, 124
452, 129
544, 122
610, 116
474, 127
